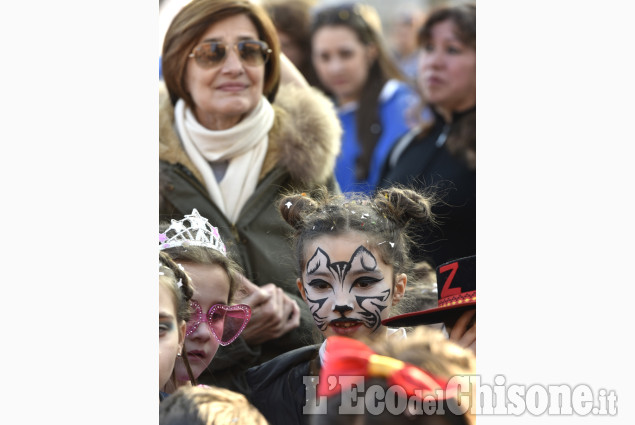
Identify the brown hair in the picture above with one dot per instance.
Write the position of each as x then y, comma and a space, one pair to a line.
385, 219
363, 20
208, 406
461, 141
171, 275
293, 18
180, 285
463, 17
203, 255
189, 25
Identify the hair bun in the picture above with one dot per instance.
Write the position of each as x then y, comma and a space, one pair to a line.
294, 208
404, 205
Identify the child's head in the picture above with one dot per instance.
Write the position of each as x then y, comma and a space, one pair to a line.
456, 303
416, 368
175, 291
352, 253
197, 246
208, 405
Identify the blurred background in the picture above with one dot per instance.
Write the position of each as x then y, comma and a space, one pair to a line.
396, 15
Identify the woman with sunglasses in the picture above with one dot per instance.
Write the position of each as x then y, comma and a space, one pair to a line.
355, 67
197, 247
232, 137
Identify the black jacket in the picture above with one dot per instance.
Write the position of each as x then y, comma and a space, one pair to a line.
426, 162
277, 387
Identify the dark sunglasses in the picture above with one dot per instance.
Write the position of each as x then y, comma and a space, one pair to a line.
212, 53
226, 322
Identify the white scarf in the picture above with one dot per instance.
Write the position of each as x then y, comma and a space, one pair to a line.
243, 145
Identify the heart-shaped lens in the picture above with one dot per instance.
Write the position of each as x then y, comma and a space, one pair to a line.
228, 321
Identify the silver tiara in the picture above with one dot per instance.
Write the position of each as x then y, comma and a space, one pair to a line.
193, 230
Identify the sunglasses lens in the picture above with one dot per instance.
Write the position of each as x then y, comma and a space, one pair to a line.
195, 319
228, 322
210, 54
253, 53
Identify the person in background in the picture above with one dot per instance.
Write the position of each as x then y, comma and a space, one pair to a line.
232, 138
292, 20
441, 151
456, 305
405, 23
354, 66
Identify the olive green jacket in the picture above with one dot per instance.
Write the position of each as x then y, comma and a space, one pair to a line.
303, 144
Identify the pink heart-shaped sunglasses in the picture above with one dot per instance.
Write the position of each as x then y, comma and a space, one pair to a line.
226, 322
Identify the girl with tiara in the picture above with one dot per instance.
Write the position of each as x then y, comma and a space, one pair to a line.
197, 246
352, 259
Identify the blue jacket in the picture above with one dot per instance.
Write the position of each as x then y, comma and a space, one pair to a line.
395, 99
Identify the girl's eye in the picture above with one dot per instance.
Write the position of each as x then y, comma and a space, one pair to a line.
324, 57
365, 282
428, 47
319, 284
345, 54
165, 327
453, 50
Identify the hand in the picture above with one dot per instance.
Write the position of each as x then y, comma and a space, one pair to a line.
462, 334
273, 313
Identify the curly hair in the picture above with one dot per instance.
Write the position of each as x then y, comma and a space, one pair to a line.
385, 219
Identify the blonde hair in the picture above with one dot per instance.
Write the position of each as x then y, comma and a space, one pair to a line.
205, 405
429, 350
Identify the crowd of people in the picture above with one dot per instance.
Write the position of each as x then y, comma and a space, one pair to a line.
317, 197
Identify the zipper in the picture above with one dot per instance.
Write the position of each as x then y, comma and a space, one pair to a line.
443, 136
184, 172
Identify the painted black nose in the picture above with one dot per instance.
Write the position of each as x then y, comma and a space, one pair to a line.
341, 309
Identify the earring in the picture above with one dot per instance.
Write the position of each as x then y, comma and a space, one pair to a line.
178, 354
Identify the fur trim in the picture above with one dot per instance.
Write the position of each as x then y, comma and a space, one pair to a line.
305, 137
170, 148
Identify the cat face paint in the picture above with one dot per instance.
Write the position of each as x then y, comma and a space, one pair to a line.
348, 290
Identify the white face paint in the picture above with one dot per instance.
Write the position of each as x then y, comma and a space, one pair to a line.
348, 288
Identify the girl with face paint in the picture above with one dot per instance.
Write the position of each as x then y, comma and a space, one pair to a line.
352, 259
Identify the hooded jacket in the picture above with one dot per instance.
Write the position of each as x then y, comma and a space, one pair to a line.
303, 144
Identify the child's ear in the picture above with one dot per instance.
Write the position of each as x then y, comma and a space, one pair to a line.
400, 288
301, 288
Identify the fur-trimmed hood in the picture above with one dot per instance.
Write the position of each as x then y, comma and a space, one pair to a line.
305, 137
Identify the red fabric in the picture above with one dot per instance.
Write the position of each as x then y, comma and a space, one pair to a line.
349, 357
